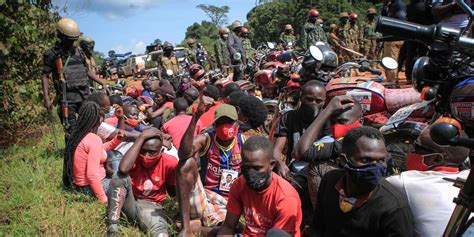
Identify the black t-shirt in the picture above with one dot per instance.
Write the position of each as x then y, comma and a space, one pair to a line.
292, 126
323, 151
385, 213
49, 66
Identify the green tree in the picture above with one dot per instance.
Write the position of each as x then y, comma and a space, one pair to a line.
28, 29
217, 14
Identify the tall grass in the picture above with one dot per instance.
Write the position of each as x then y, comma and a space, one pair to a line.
33, 203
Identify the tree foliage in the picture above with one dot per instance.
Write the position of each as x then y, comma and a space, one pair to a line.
266, 21
217, 14
29, 29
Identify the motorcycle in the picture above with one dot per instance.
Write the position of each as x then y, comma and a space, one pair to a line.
446, 76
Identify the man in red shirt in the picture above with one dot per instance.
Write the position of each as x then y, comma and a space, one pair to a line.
266, 200
176, 126
144, 177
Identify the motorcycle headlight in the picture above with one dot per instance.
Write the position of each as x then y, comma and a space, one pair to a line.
418, 73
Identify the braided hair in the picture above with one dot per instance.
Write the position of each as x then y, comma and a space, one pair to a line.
88, 119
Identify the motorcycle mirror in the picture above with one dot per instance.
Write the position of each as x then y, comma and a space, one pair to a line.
389, 63
237, 56
316, 53
169, 72
270, 45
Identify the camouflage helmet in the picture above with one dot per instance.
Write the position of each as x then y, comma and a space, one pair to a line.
371, 11
288, 27
190, 41
68, 28
333, 26
236, 24
86, 43
224, 30
320, 21
343, 15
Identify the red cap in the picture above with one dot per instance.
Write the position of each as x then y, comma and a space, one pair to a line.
353, 16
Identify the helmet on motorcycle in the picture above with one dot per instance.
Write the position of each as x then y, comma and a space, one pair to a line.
343, 15
68, 28
167, 46
353, 16
223, 31
288, 27
196, 71
313, 12
371, 11
236, 24
87, 44
190, 41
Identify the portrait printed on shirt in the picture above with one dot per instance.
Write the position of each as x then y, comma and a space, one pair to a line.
227, 178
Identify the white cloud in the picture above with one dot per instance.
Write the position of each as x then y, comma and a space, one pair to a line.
111, 9
134, 45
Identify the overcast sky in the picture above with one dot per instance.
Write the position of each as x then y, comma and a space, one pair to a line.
130, 25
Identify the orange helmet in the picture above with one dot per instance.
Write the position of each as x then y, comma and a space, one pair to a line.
313, 12
196, 71
353, 16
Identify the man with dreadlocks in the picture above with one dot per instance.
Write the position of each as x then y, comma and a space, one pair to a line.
85, 154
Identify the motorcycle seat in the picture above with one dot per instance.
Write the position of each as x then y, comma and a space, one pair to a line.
399, 98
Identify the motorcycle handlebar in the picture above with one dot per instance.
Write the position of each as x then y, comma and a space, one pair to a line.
371, 70
405, 30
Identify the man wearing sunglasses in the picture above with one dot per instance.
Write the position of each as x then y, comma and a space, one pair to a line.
144, 178
356, 200
428, 183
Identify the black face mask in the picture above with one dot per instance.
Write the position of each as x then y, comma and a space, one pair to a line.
66, 44
167, 52
309, 112
256, 180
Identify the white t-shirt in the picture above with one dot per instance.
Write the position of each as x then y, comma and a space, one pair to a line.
430, 198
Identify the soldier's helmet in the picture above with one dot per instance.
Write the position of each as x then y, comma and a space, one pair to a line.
332, 26
320, 21
68, 28
224, 30
87, 43
167, 45
190, 41
236, 24
343, 15
288, 27
371, 11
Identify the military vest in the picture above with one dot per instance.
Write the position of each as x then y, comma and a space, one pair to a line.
75, 70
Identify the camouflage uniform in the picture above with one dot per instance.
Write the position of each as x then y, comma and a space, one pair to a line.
353, 41
170, 63
343, 35
249, 51
222, 53
191, 53
287, 38
369, 36
311, 34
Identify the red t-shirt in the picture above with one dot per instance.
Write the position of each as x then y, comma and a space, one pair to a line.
207, 118
150, 184
169, 104
177, 126
278, 206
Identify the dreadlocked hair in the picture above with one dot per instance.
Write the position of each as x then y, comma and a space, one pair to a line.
88, 118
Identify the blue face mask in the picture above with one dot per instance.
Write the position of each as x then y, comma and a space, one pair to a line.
110, 113
366, 175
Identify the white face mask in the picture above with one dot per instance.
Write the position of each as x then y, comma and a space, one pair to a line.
110, 113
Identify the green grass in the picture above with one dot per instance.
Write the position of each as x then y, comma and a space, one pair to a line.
33, 203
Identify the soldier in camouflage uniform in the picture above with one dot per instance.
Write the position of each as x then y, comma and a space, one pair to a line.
191, 51
355, 36
343, 35
221, 51
288, 36
244, 36
312, 32
369, 35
